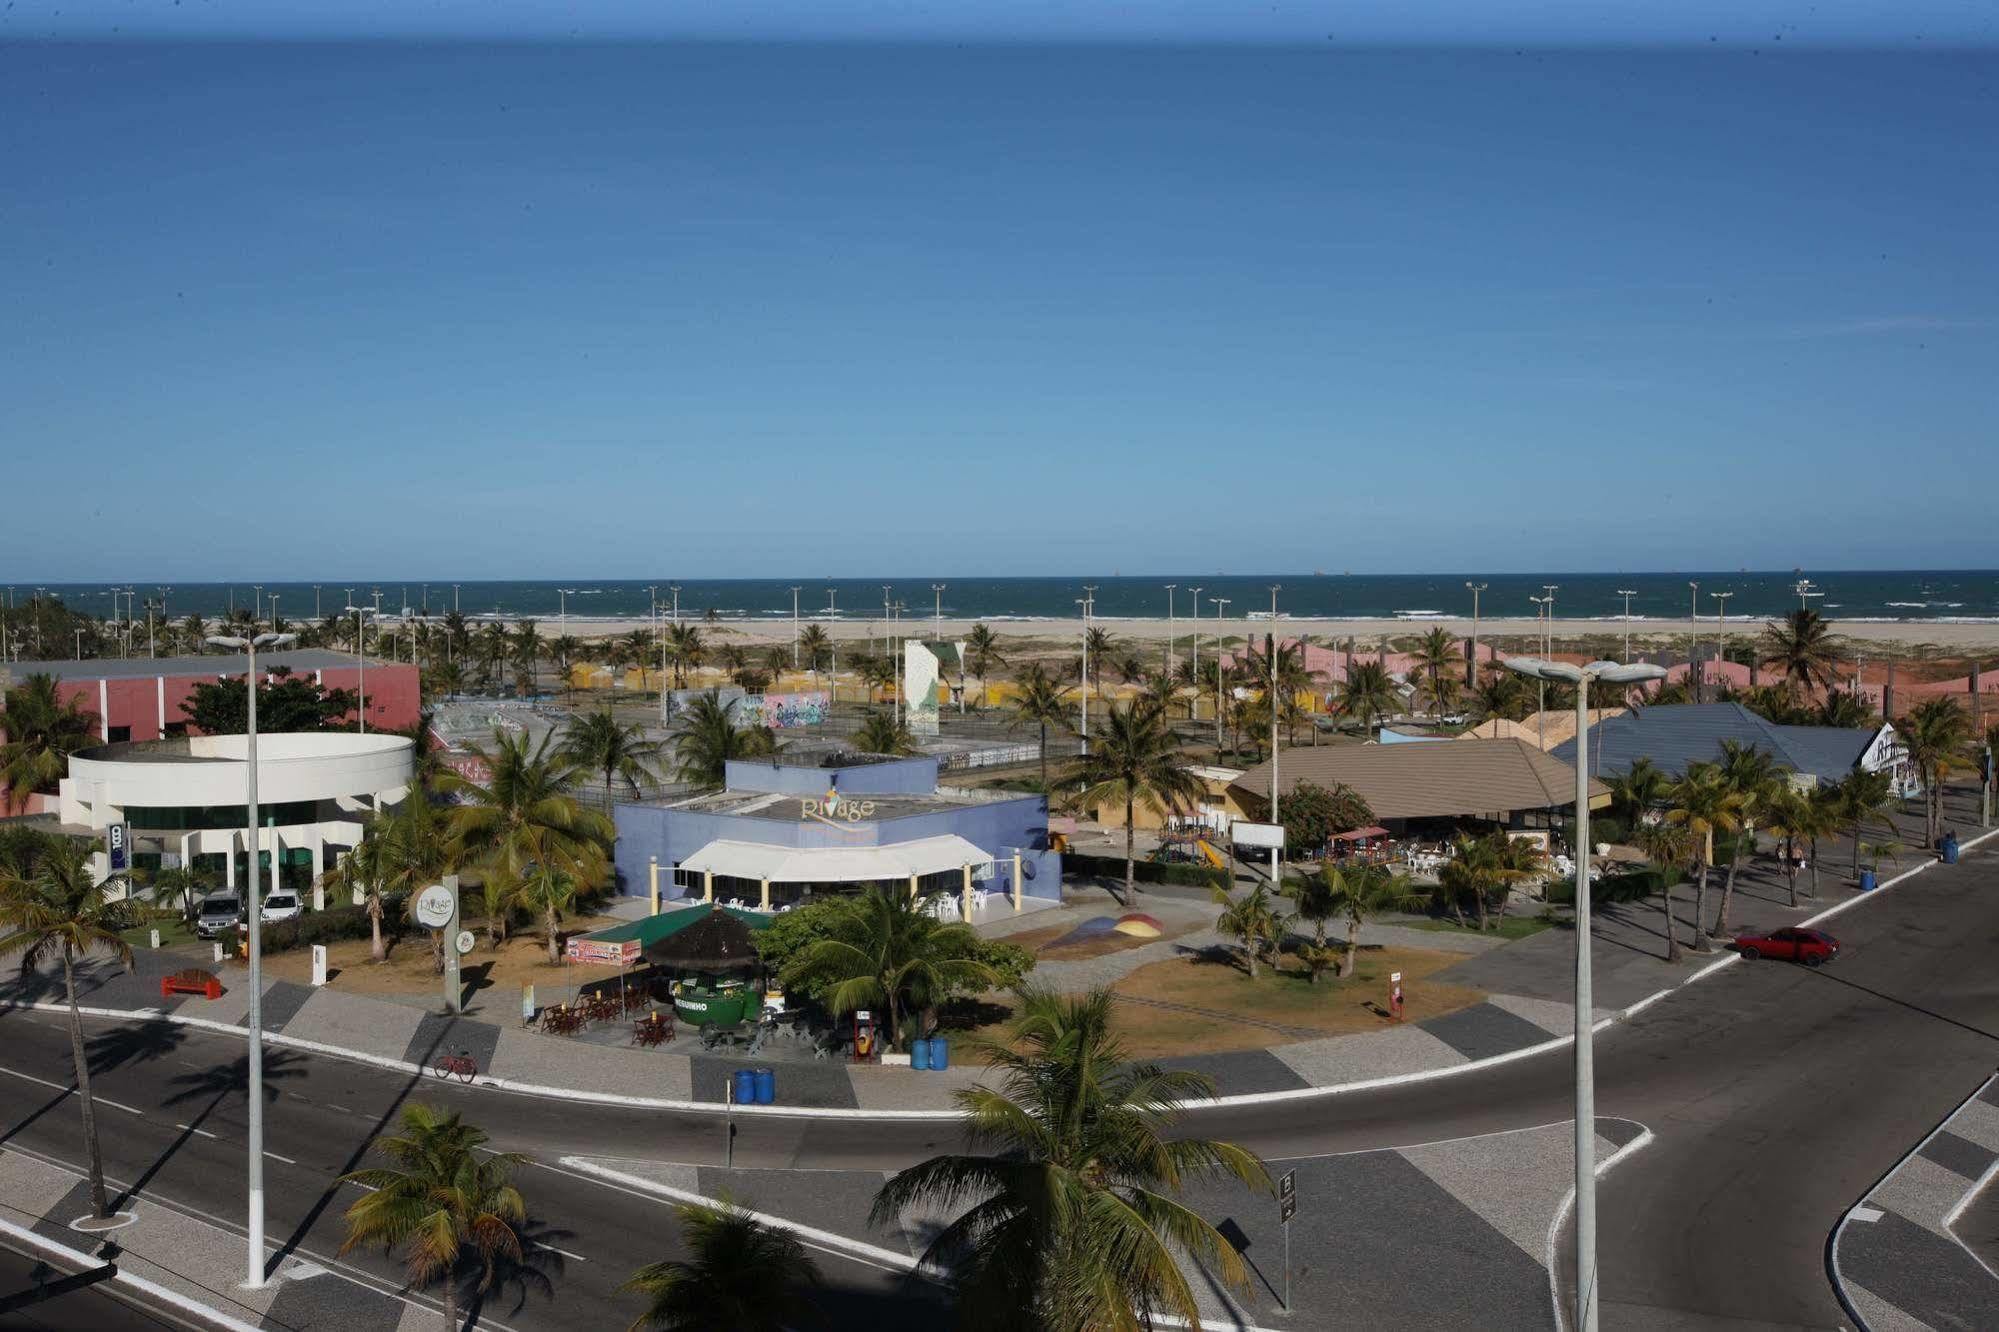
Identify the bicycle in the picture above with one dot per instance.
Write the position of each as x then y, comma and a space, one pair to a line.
461, 1066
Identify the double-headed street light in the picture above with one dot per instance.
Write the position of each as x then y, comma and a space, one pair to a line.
253, 911
1607, 672
361, 661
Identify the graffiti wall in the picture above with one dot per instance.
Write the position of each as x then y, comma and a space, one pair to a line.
781, 711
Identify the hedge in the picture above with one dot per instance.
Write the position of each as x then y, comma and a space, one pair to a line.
335, 923
1148, 871
1632, 885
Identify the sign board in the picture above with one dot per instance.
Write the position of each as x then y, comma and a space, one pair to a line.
604, 952
1287, 1209
1287, 1185
118, 841
465, 941
435, 907
1246, 833
319, 964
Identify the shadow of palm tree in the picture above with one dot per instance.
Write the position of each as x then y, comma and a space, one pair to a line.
133, 1043
535, 1274
215, 1084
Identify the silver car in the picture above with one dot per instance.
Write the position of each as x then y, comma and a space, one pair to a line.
219, 913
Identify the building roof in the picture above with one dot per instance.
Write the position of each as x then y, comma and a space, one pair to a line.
1677, 735
1549, 729
1472, 779
1499, 728
301, 662
891, 862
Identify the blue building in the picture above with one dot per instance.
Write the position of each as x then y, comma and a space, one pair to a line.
787, 828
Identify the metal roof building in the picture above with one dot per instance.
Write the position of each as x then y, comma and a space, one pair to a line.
1674, 737
1483, 779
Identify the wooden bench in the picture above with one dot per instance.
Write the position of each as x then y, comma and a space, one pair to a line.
191, 981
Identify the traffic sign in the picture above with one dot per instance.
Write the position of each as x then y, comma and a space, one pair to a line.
1287, 1209
1287, 1185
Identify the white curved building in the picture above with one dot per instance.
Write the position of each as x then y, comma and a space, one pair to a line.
183, 799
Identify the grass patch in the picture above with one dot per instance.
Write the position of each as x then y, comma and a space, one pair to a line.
1510, 927
174, 933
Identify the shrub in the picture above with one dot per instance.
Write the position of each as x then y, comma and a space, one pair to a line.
1147, 871
332, 925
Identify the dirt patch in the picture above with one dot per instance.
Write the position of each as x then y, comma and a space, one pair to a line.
521, 960
1043, 943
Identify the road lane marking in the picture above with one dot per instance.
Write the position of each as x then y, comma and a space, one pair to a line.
275, 1157
69, 1089
192, 1129
564, 1252
1867, 1214
117, 1105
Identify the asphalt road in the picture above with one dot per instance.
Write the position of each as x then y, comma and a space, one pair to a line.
88, 1307
1777, 1096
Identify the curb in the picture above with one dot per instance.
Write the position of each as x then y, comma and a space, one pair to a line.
942, 1116
1553, 1259
152, 1290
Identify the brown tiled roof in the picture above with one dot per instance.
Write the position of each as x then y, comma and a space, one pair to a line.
1466, 779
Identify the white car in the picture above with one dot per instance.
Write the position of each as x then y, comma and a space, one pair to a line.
279, 906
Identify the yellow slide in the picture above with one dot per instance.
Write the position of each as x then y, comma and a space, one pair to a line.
1214, 856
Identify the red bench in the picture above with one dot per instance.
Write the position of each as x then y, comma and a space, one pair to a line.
190, 982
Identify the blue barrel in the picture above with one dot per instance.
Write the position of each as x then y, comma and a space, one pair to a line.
940, 1054
746, 1087
766, 1086
1867, 881
1950, 849
919, 1053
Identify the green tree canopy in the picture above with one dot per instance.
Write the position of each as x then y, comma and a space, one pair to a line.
286, 703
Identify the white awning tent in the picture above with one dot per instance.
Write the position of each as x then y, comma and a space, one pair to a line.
892, 862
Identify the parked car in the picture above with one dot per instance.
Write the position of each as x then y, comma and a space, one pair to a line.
219, 913
279, 906
1789, 944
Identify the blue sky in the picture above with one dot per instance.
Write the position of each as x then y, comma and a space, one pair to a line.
543, 310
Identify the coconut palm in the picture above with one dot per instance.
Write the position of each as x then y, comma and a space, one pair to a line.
1038, 701
1801, 647
1136, 761
1637, 791
549, 893
1097, 648
177, 884
1499, 695
1368, 694
882, 732
1841, 708
813, 648
444, 680
1751, 774
43, 729
982, 652
565, 650
740, 1274
709, 738
1667, 845
597, 741
1485, 870
53, 909
449, 1204
524, 815
1858, 797
491, 651
1705, 803
1069, 1219
684, 651
1251, 920
1353, 893
889, 953
1935, 733
1437, 660
524, 653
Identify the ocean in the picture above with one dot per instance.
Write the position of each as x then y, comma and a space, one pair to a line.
1944, 595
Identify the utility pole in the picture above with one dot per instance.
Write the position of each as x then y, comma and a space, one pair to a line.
1471, 668
1220, 603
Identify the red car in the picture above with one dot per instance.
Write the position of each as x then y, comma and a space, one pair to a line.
1810, 947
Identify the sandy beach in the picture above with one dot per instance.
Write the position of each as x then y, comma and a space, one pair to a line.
1938, 636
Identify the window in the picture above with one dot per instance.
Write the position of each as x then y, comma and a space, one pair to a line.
120, 734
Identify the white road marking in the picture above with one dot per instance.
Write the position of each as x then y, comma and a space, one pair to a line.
564, 1252
192, 1129
275, 1157
1867, 1214
117, 1105
71, 1090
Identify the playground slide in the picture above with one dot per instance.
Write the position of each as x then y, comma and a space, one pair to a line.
1214, 856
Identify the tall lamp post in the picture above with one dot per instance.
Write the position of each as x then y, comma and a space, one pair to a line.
1627, 593
1084, 603
1694, 638
1169, 629
1608, 672
562, 596
1720, 626
1541, 687
794, 627
1803, 587
361, 662
1219, 603
1471, 667
253, 909
1197, 650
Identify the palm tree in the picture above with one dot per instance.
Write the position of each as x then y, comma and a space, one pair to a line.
1367, 694
445, 679
1934, 733
1136, 761
1640, 789
882, 732
549, 893
599, 742
1841, 708
565, 649
524, 653
1704, 803
740, 1274
1071, 1174
1667, 846
709, 738
889, 953
1483, 866
43, 729
982, 651
449, 1203
363, 872
1499, 695
813, 647
1858, 797
1802, 649
177, 884
1098, 648
524, 815
1437, 659
1038, 701
1251, 920
51, 907
1751, 774
684, 649
1354, 893
492, 651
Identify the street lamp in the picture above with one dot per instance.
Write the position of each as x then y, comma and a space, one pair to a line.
562, 596
1084, 602
1694, 638
1219, 603
1541, 691
1169, 629
254, 912
361, 661
794, 628
1803, 587
1197, 649
1720, 626
937, 615
1581, 677
1627, 593
1471, 668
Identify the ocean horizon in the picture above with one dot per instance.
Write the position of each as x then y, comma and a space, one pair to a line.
1959, 596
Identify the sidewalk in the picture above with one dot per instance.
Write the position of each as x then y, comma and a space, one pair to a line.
197, 1259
